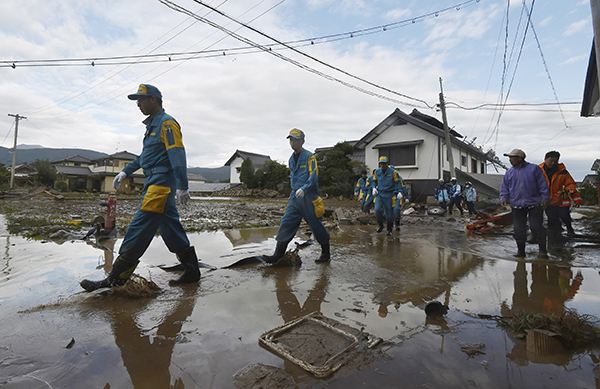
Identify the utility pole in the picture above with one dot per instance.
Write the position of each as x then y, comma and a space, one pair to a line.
446, 131
14, 156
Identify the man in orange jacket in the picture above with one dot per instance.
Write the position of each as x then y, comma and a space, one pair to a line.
563, 194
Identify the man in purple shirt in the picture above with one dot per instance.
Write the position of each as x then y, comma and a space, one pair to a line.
525, 189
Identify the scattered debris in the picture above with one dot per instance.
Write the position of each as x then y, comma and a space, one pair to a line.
473, 349
258, 375
435, 308
71, 343
136, 286
408, 211
436, 211
486, 223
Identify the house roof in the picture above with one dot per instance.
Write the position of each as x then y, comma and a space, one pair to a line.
73, 170
596, 165
257, 159
418, 119
124, 155
492, 182
73, 158
321, 149
591, 178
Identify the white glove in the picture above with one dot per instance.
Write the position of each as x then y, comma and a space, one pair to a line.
117, 180
299, 193
183, 196
400, 196
375, 191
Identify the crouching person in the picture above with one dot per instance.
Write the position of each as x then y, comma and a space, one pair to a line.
164, 164
304, 202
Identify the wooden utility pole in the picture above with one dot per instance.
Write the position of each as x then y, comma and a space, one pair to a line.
446, 132
14, 156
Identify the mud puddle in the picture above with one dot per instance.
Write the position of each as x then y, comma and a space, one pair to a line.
200, 336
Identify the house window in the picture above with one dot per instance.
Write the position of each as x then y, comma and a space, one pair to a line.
473, 165
238, 169
482, 167
463, 160
401, 155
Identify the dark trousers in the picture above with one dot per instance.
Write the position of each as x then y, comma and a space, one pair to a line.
535, 217
455, 201
556, 215
471, 207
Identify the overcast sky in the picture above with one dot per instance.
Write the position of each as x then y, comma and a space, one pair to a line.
250, 102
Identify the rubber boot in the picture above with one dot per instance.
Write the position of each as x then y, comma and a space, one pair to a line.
120, 273
325, 253
520, 250
191, 270
279, 252
390, 228
380, 228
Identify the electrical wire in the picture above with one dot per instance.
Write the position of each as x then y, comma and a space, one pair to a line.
169, 56
511, 105
305, 67
8, 132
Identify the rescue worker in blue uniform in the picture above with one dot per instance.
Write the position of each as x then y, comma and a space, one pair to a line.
385, 187
455, 194
369, 198
164, 164
441, 194
400, 200
304, 201
360, 189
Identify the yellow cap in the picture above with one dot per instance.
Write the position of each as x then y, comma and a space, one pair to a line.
296, 134
384, 159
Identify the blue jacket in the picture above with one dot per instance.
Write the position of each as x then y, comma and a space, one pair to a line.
163, 151
387, 182
524, 186
441, 193
470, 194
304, 174
360, 188
455, 190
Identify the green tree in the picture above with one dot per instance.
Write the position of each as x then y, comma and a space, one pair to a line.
337, 172
247, 176
589, 194
4, 177
45, 171
273, 175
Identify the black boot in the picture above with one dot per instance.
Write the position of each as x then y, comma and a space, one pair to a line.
325, 253
543, 251
191, 270
520, 250
279, 252
380, 228
120, 273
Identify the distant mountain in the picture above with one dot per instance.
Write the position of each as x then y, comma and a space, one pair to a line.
28, 155
26, 147
212, 174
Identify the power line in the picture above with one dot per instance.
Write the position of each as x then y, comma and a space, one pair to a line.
546, 68
8, 132
281, 56
511, 105
166, 2
96, 61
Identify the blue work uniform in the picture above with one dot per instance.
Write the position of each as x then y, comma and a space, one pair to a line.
387, 183
369, 198
398, 204
455, 194
360, 190
441, 195
164, 164
303, 175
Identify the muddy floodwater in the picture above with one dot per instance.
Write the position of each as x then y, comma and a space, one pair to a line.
200, 336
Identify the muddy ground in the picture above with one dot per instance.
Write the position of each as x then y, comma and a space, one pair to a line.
201, 336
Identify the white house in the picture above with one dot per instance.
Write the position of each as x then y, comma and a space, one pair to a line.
416, 147
236, 160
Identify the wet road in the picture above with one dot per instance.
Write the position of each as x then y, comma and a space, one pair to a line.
198, 337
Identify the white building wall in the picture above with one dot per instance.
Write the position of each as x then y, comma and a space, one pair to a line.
234, 175
427, 152
457, 153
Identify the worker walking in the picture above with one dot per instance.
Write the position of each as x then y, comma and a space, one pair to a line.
441, 194
385, 188
470, 197
525, 189
304, 201
455, 195
400, 200
369, 198
164, 164
360, 188
563, 194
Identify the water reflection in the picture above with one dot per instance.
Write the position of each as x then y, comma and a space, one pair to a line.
551, 286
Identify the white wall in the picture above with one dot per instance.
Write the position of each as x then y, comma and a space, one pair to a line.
427, 152
456, 153
234, 176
